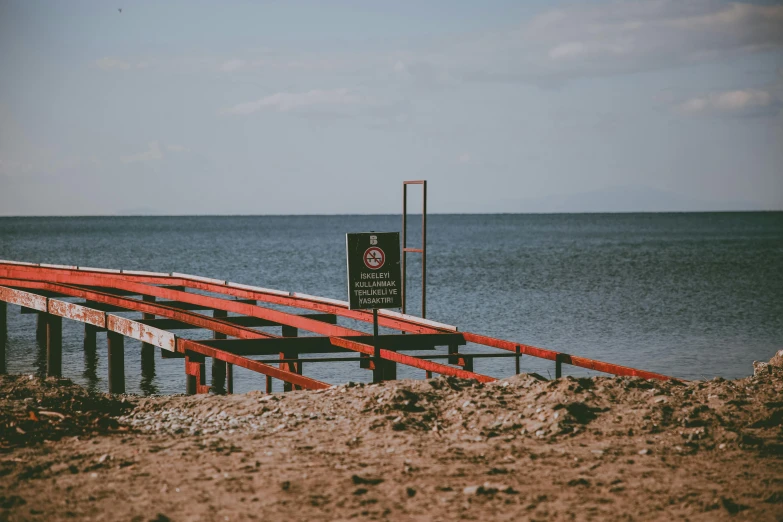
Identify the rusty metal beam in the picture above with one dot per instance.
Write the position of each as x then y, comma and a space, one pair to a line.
186, 345
324, 344
387, 318
141, 332
273, 315
157, 309
77, 313
171, 324
574, 360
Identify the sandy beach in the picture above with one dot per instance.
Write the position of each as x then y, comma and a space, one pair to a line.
442, 449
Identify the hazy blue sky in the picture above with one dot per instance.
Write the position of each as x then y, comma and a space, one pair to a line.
325, 107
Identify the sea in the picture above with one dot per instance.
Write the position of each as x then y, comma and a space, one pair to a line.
691, 295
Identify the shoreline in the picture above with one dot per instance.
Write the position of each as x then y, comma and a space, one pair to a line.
440, 449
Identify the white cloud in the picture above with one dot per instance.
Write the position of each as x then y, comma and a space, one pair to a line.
589, 39
463, 158
738, 102
289, 101
177, 148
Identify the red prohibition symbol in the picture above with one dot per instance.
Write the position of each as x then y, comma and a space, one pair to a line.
374, 258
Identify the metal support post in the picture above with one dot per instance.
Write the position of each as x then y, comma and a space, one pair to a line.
453, 348
148, 350
218, 366
40, 327
289, 331
3, 334
195, 373
54, 345
116, 343
517, 351
422, 250
377, 373
558, 367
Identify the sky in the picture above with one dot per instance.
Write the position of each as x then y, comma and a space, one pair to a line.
312, 107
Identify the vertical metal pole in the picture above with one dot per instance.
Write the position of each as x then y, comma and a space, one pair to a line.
377, 373
90, 337
404, 240
218, 366
428, 374
268, 384
116, 344
54, 345
90, 354
40, 327
516, 358
195, 373
229, 378
288, 331
3, 334
424, 251
453, 348
148, 350
558, 368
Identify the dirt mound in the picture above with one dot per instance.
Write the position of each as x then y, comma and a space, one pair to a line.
439, 449
682, 417
33, 410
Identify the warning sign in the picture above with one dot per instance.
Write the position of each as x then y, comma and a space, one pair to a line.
374, 258
373, 270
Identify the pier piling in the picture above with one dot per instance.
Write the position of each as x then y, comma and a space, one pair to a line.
116, 343
218, 366
40, 327
289, 331
3, 334
54, 344
148, 350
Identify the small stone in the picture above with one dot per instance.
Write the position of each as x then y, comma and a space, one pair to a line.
645, 451
470, 490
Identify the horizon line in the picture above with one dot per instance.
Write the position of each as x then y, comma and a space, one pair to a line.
592, 212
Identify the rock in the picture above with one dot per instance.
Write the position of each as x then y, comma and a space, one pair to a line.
488, 488
760, 369
732, 507
356, 479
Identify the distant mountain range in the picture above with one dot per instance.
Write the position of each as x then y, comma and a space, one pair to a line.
625, 199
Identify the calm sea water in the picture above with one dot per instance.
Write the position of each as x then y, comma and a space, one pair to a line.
689, 295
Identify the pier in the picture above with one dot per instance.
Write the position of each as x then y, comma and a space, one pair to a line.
171, 302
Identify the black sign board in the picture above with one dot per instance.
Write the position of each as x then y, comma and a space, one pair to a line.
374, 270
